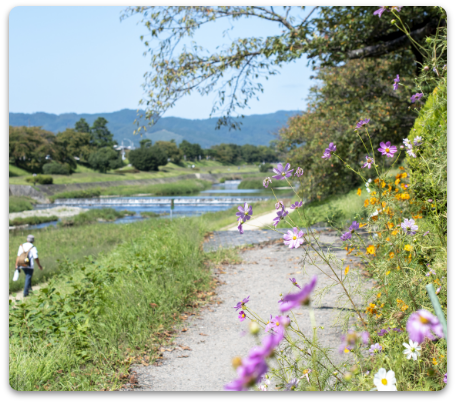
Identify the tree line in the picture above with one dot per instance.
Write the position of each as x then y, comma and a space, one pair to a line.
40, 151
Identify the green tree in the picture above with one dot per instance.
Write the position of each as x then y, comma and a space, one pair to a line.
101, 136
148, 158
78, 144
332, 36
105, 159
171, 150
82, 126
145, 143
191, 151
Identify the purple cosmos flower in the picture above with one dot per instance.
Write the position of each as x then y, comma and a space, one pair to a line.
296, 205
398, 330
280, 216
240, 304
375, 349
299, 172
380, 11
326, 156
369, 162
423, 324
362, 123
397, 8
411, 153
300, 298
409, 226
266, 182
294, 238
239, 227
437, 290
417, 141
351, 230
445, 377
387, 149
244, 213
294, 282
276, 325
396, 83
350, 339
279, 205
241, 316
430, 272
416, 97
268, 344
383, 332
282, 172
292, 385
249, 373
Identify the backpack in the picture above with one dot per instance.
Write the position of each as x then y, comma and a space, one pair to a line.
24, 260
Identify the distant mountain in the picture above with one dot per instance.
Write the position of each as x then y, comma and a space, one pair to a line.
255, 129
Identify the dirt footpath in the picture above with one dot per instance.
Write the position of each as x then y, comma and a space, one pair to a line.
201, 357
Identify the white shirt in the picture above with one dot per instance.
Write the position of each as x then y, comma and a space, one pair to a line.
33, 253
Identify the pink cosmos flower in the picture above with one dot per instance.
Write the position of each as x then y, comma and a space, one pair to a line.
280, 216
380, 11
326, 155
409, 226
300, 298
331, 149
240, 304
294, 282
279, 205
241, 316
275, 325
362, 123
249, 373
282, 172
296, 205
266, 182
423, 324
396, 83
387, 149
294, 238
299, 172
416, 97
369, 162
245, 212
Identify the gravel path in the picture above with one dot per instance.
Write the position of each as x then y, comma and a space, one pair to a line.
57, 211
201, 357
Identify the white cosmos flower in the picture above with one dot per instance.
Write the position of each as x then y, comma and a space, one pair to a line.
412, 350
385, 381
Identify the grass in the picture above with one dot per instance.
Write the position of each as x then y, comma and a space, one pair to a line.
20, 203
252, 183
149, 214
15, 171
94, 215
86, 175
33, 220
133, 281
76, 194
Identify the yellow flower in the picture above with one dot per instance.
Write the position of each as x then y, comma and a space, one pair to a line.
408, 248
391, 255
371, 309
388, 272
383, 184
399, 302
401, 168
370, 250
390, 225
390, 188
397, 181
434, 361
404, 175
405, 196
416, 217
394, 233
347, 269
359, 192
366, 203
346, 350
387, 239
403, 186
404, 308
374, 193
373, 200
437, 281
379, 295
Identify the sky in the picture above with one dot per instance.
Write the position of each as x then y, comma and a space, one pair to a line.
85, 60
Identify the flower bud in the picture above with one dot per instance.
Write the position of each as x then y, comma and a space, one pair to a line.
426, 68
428, 39
393, 22
237, 361
254, 328
347, 376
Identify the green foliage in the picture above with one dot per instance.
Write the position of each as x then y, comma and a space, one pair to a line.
149, 214
78, 144
191, 151
94, 308
93, 215
32, 220
76, 194
265, 167
105, 159
54, 168
147, 158
41, 179
100, 135
81, 126
251, 183
171, 150
20, 203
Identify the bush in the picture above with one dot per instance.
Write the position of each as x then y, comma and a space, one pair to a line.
54, 168
265, 167
147, 158
41, 179
105, 159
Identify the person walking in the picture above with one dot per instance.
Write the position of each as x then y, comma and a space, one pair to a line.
32, 255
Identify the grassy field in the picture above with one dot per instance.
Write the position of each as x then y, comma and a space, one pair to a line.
98, 304
20, 203
85, 175
33, 220
91, 216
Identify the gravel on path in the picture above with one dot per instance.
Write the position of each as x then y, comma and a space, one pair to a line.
202, 355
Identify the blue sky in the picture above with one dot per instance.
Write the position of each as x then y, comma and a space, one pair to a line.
84, 60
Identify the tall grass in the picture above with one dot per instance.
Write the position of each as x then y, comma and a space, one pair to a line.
20, 203
93, 215
33, 220
162, 265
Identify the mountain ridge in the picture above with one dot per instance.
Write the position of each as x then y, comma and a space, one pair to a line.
255, 129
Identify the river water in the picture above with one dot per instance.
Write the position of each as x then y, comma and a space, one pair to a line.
221, 196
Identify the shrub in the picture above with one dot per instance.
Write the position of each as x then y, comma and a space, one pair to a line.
265, 167
54, 168
147, 158
41, 179
105, 159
